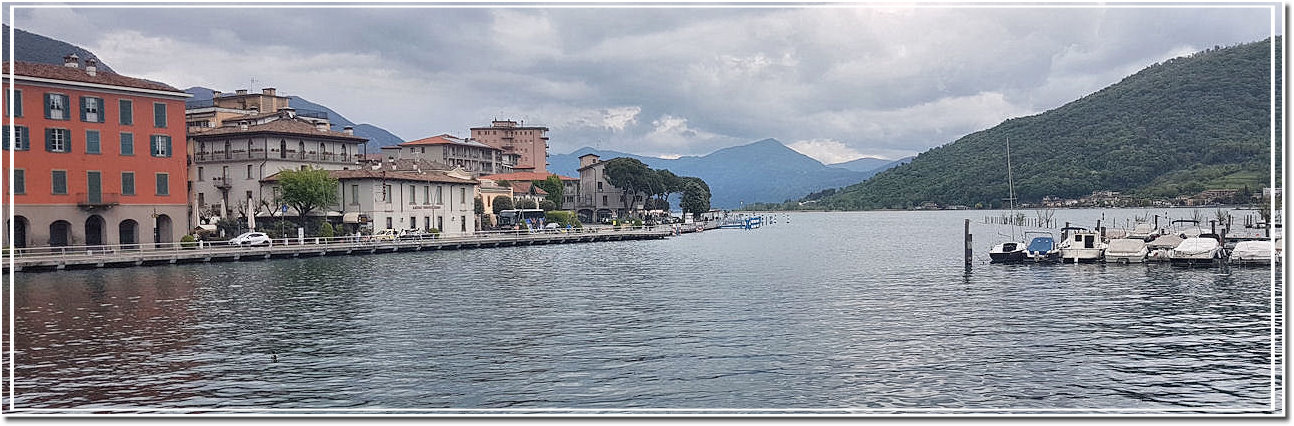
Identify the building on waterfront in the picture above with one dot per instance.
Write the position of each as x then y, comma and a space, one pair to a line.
241, 105
400, 195
529, 143
228, 162
475, 157
102, 169
596, 199
570, 186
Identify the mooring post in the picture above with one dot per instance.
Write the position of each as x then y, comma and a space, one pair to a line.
969, 252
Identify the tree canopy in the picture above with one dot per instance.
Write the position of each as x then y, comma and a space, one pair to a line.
306, 190
633, 177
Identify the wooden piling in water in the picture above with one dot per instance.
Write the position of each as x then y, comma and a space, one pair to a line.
969, 252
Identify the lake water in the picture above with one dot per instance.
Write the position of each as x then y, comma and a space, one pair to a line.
831, 313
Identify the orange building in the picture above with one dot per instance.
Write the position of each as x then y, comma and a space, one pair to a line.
530, 143
94, 156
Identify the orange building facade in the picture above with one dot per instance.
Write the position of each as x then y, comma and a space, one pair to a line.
529, 143
95, 158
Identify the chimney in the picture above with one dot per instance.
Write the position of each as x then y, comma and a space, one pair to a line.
323, 127
242, 125
241, 91
91, 67
72, 61
268, 91
348, 130
215, 94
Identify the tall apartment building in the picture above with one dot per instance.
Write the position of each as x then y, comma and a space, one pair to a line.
227, 163
528, 142
102, 169
473, 156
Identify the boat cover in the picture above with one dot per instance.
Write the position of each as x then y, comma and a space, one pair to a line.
1042, 244
1196, 246
1125, 245
1165, 241
1253, 250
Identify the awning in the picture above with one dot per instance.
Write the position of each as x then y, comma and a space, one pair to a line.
354, 217
207, 228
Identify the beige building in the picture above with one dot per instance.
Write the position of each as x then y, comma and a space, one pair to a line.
242, 105
530, 143
402, 195
598, 200
227, 163
475, 157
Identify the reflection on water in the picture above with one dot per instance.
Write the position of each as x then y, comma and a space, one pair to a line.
862, 311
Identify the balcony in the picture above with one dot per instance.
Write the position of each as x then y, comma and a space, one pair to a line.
211, 157
222, 182
97, 200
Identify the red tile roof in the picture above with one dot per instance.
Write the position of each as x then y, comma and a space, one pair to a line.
388, 175
525, 176
526, 188
59, 72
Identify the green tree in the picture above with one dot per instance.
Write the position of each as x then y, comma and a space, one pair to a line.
502, 203
547, 205
553, 185
527, 204
306, 190
696, 196
631, 176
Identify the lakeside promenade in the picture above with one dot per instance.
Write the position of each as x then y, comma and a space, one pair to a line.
116, 256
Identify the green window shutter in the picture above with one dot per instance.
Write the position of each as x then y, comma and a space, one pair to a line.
127, 183
49, 100
19, 181
103, 109
24, 138
168, 145
67, 145
159, 115
83, 108
127, 144
17, 103
58, 182
92, 142
49, 140
127, 112
6, 138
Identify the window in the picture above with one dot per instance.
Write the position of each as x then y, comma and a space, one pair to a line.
386, 194
127, 183
604, 200
202, 200
462, 223
599, 186
200, 174
56, 106
426, 198
354, 195
249, 196
22, 140
388, 222
19, 181
127, 116
58, 179
160, 146
413, 194
249, 171
127, 144
413, 222
58, 140
92, 142
163, 184
13, 106
159, 115
91, 109
440, 223
426, 222
440, 194
462, 195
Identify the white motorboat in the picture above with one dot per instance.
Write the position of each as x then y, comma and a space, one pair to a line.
1042, 248
1253, 253
1126, 250
1196, 251
1143, 231
1160, 246
1008, 252
1081, 245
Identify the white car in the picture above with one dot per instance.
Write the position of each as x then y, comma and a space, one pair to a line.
251, 239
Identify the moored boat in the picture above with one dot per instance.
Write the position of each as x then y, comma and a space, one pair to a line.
1008, 252
1160, 246
1126, 250
1042, 248
1143, 231
1081, 245
1196, 251
1253, 253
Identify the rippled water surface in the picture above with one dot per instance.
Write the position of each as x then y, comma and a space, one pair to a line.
865, 312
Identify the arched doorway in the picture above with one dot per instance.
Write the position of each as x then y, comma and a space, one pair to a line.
128, 230
19, 238
94, 231
162, 230
60, 234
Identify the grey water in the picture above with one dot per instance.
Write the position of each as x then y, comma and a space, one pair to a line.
854, 313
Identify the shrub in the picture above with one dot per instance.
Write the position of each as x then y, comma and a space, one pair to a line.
547, 205
188, 242
327, 230
527, 204
563, 218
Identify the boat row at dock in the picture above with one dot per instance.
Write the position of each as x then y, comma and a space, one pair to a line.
1183, 243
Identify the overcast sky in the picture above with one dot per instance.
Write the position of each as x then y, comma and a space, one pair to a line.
835, 83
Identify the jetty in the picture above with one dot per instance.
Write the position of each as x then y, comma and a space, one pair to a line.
40, 259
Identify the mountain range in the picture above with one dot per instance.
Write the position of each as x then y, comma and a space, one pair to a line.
1179, 127
761, 171
31, 47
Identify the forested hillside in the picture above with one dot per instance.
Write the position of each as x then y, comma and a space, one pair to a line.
1178, 127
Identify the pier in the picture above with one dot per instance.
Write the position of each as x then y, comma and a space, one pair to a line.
41, 259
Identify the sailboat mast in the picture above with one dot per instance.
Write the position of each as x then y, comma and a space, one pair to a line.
1010, 182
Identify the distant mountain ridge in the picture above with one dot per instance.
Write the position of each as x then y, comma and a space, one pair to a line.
761, 171
32, 47
377, 136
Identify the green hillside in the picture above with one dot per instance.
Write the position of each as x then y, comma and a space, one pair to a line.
1175, 128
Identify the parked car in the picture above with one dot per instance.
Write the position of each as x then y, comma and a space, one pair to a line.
414, 234
251, 239
385, 235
